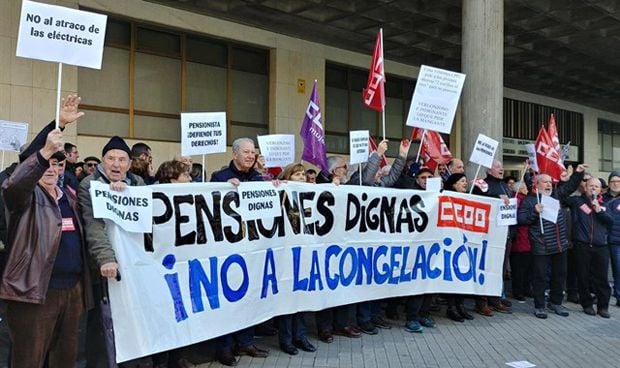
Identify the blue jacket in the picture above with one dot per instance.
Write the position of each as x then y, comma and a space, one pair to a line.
588, 227
613, 207
232, 172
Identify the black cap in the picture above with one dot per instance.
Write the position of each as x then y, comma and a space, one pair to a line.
452, 179
118, 143
60, 156
612, 174
427, 169
92, 158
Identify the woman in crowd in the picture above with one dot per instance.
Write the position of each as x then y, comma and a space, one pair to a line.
456, 309
291, 328
521, 255
173, 172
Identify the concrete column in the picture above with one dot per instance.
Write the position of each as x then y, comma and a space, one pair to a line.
483, 63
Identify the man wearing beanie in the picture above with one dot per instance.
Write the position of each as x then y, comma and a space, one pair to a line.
612, 201
114, 171
47, 294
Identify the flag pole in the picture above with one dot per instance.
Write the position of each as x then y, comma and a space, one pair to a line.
204, 169
382, 107
58, 93
417, 157
475, 177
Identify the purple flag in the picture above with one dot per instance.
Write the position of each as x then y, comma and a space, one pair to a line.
313, 135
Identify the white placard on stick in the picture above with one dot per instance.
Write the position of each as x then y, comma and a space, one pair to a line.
203, 133
278, 149
358, 146
507, 214
484, 151
12, 135
531, 155
258, 200
433, 184
435, 98
131, 209
61, 34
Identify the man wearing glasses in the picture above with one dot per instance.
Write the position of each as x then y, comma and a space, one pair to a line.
90, 165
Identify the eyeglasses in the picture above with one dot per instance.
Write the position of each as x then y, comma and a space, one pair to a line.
91, 164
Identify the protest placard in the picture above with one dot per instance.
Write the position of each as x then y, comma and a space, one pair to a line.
61, 34
12, 135
131, 209
258, 200
531, 155
328, 246
358, 146
433, 184
484, 151
435, 98
551, 208
203, 133
507, 214
278, 149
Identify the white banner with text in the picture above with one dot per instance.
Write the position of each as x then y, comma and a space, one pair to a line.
207, 271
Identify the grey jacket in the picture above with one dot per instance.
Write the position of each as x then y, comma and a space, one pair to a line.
370, 170
97, 240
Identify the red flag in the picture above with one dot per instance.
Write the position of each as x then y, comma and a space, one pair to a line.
552, 131
416, 134
372, 144
434, 150
548, 159
374, 93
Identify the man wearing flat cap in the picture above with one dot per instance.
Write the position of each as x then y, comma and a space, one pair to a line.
113, 170
46, 281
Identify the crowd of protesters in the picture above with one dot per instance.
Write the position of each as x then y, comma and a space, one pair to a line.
57, 254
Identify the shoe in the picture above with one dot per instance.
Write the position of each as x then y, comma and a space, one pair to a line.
289, 349
265, 330
519, 298
253, 351
348, 331
454, 315
506, 302
540, 313
558, 309
603, 312
501, 308
326, 336
304, 345
427, 322
573, 298
589, 311
485, 311
463, 312
368, 328
380, 322
414, 326
226, 358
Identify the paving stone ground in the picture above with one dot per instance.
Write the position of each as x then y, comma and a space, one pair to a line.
575, 341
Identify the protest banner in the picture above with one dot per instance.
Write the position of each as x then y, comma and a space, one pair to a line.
132, 209
209, 271
358, 146
12, 135
61, 34
507, 214
484, 151
258, 200
434, 101
278, 149
203, 133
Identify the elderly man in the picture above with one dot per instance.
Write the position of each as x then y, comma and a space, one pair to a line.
48, 293
591, 221
114, 171
549, 241
612, 200
240, 169
494, 186
90, 165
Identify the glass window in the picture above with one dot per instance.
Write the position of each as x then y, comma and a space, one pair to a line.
109, 86
157, 84
249, 97
158, 41
103, 123
159, 128
204, 87
609, 141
